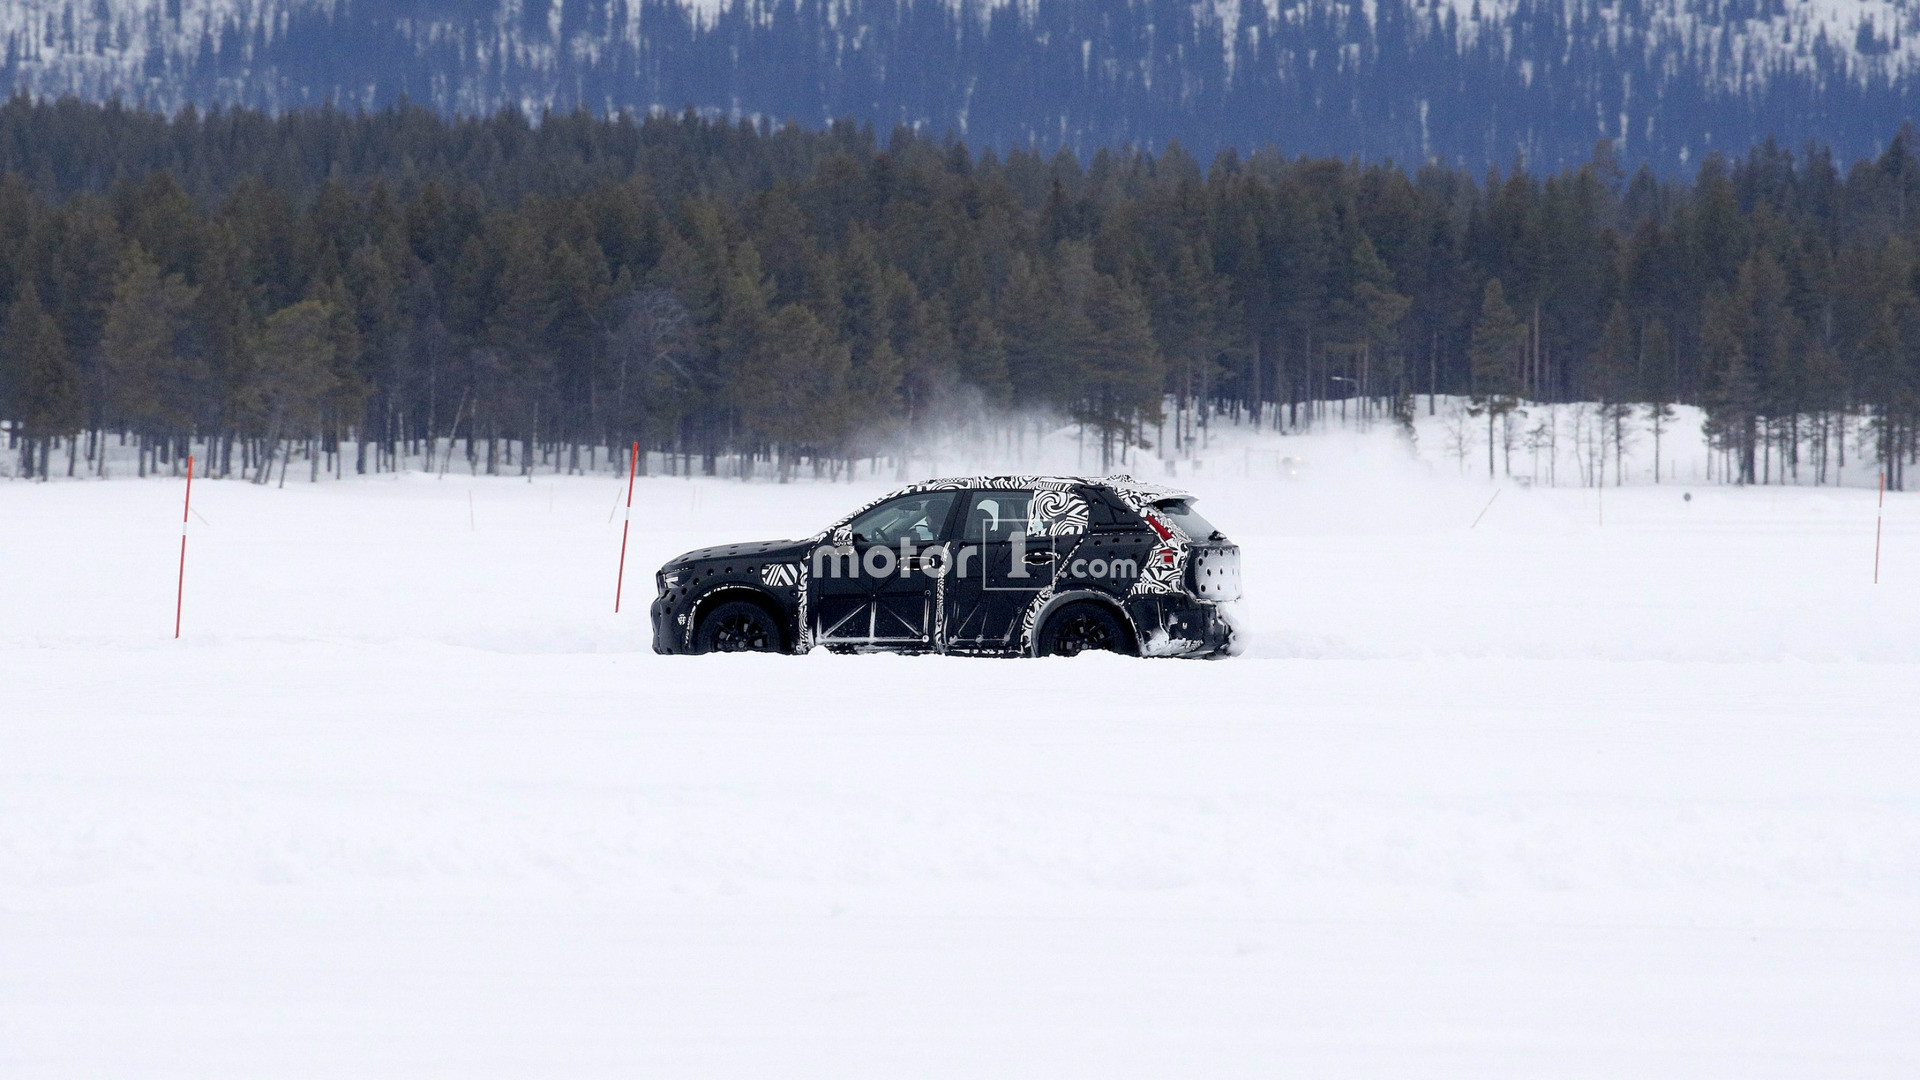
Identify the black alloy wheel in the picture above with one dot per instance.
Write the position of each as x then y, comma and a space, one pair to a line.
738, 626
1083, 627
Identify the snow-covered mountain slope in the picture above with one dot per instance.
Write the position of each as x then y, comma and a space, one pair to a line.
1462, 81
1741, 42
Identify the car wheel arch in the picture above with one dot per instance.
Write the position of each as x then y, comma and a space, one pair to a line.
1053, 604
735, 591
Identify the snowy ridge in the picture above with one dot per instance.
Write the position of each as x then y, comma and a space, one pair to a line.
1741, 43
100, 47
1470, 82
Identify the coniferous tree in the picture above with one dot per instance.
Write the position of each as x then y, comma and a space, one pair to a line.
1885, 358
982, 353
1656, 384
1615, 376
1193, 319
1372, 315
1118, 366
294, 374
154, 379
40, 380
1497, 338
794, 394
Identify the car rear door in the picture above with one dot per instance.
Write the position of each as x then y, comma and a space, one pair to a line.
1000, 564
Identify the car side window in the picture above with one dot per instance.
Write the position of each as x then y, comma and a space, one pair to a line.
919, 518
994, 516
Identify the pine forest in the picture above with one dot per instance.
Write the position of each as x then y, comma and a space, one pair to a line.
359, 292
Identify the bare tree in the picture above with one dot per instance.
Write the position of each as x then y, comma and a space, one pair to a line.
649, 330
1457, 420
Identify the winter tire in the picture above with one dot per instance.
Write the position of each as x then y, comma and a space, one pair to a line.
738, 626
1084, 627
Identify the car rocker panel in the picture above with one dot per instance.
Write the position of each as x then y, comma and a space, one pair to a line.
972, 566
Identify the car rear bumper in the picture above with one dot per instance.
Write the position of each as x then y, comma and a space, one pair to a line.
1183, 626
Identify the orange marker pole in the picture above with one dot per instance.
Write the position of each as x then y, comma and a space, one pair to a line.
180, 587
1877, 515
633, 466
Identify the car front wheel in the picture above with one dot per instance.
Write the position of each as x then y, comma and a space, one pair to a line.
1084, 627
738, 626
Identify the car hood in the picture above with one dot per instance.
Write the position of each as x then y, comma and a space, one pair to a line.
757, 551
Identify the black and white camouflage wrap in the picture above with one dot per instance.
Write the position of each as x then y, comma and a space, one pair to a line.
1056, 510
803, 638
1166, 565
1071, 516
1031, 618
939, 638
1056, 513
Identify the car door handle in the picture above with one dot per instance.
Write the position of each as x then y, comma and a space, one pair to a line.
1035, 558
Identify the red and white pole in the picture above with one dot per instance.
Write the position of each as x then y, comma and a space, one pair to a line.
180, 587
1878, 514
633, 466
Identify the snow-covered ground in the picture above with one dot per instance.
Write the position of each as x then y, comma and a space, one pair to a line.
1583, 790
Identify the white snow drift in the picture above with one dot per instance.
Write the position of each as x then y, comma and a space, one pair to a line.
1583, 790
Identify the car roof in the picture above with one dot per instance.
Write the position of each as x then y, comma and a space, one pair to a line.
1127, 487
1136, 495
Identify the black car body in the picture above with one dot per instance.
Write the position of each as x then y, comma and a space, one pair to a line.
999, 566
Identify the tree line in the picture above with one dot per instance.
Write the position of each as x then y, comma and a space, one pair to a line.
391, 283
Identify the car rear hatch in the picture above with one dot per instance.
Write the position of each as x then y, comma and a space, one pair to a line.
1215, 572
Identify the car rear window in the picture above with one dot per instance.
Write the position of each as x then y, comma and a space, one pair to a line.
1182, 513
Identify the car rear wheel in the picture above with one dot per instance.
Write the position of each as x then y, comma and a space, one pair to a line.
738, 626
1084, 627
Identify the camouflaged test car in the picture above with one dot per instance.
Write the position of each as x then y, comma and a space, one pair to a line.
995, 566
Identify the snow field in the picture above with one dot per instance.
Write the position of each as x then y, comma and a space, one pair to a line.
1539, 797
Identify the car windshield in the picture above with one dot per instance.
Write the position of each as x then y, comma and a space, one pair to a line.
1182, 513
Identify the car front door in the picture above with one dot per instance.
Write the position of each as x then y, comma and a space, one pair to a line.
868, 580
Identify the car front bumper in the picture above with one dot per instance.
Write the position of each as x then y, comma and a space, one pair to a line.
669, 626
